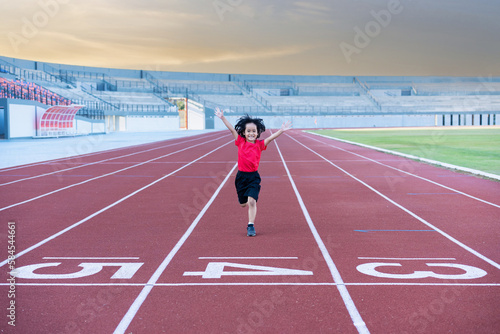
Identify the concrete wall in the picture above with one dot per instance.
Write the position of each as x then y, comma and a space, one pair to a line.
312, 122
20, 118
151, 124
22, 121
84, 126
196, 116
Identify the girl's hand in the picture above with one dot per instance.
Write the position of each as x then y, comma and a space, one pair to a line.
286, 126
219, 113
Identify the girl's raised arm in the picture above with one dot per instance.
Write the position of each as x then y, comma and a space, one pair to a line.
284, 127
219, 113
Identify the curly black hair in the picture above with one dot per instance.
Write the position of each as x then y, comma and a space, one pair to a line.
244, 120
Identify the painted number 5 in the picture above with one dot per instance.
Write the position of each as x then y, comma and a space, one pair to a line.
125, 271
469, 271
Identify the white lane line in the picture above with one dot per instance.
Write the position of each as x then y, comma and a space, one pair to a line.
134, 308
109, 207
412, 157
257, 284
88, 258
446, 235
59, 160
101, 176
248, 258
400, 170
346, 297
96, 162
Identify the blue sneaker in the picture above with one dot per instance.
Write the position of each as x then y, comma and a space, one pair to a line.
250, 231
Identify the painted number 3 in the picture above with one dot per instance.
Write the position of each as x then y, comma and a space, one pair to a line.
468, 272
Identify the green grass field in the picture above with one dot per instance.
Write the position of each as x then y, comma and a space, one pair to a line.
476, 148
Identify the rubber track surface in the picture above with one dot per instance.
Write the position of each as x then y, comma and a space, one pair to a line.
151, 239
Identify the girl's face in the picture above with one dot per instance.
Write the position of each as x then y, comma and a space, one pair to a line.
251, 133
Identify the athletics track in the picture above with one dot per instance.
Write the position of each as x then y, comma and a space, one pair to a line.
150, 239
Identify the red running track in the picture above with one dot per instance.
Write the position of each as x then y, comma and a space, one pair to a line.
151, 239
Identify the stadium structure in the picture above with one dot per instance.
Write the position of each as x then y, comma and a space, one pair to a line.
39, 99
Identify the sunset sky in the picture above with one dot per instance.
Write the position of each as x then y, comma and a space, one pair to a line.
321, 37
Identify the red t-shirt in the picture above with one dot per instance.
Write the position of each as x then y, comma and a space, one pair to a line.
249, 154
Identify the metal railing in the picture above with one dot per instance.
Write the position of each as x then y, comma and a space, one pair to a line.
365, 88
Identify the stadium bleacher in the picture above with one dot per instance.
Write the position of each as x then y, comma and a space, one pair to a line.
108, 92
21, 89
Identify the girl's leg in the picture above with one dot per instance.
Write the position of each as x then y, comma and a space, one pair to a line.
252, 209
252, 212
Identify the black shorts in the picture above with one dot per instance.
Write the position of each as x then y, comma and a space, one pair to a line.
247, 184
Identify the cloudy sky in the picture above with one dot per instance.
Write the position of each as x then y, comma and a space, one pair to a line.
320, 37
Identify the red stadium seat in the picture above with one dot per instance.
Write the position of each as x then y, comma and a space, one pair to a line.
20, 89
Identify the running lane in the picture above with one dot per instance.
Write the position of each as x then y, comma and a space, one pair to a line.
39, 218
36, 180
221, 281
405, 276
84, 279
277, 281
464, 210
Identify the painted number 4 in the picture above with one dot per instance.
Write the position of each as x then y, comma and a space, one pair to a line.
216, 270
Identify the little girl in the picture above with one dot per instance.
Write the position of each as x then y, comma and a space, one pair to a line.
246, 133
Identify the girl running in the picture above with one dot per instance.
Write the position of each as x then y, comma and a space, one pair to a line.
246, 133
